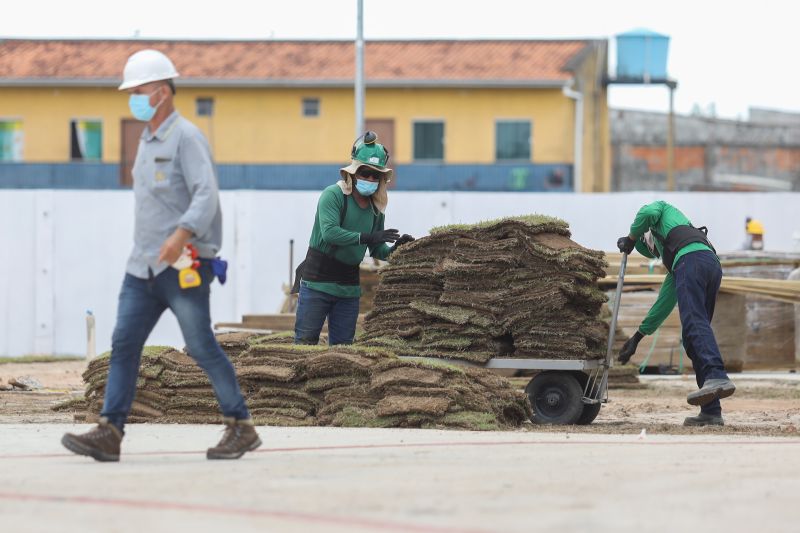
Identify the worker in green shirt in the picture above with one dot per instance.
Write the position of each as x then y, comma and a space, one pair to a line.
693, 280
350, 219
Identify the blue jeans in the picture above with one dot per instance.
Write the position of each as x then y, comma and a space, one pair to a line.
697, 279
141, 303
313, 307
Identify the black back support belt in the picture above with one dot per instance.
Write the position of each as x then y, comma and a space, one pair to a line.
322, 267
677, 238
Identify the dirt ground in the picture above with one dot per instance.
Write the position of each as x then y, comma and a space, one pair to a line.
764, 405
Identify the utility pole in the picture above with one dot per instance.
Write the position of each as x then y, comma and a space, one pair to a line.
671, 139
359, 85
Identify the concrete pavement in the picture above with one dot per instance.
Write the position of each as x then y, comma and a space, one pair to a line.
336, 479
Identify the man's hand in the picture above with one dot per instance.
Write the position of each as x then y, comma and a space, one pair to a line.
172, 248
626, 244
404, 239
629, 348
387, 235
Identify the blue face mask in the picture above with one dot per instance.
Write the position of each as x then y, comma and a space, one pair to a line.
141, 108
367, 188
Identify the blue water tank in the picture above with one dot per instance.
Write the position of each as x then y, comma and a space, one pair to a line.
642, 54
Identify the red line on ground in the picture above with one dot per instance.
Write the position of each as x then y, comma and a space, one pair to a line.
328, 520
643, 442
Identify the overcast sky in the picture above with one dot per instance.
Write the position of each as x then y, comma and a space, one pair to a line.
730, 54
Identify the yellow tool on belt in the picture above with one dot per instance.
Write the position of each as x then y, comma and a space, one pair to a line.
187, 265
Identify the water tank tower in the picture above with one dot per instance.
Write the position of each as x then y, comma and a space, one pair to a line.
642, 56
642, 60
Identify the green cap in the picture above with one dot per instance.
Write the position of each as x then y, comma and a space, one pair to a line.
368, 151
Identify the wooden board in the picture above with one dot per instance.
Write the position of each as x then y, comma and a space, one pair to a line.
782, 290
275, 322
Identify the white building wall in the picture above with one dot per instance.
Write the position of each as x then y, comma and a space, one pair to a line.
64, 252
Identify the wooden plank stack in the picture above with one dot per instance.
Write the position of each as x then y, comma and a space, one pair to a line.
664, 347
754, 318
770, 313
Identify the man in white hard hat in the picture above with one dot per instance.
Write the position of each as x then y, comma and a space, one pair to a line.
177, 206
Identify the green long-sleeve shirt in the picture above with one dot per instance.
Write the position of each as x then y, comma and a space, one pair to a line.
328, 232
661, 217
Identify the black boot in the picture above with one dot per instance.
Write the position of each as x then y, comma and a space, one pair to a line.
704, 420
713, 389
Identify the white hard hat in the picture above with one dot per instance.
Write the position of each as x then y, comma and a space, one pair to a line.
145, 66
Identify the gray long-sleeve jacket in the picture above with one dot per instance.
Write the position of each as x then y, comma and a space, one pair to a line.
174, 185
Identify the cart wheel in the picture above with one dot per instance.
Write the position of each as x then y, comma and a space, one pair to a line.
590, 412
555, 398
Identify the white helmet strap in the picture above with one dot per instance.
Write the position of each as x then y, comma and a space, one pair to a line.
649, 241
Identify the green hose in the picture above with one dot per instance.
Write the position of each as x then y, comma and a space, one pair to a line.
643, 366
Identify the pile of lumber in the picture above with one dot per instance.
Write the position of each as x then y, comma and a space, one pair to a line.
770, 328
637, 264
514, 287
664, 348
776, 289
753, 321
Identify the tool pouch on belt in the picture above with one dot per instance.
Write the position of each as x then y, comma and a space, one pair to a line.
321, 267
677, 238
219, 267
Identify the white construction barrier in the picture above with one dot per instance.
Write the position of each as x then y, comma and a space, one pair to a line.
64, 252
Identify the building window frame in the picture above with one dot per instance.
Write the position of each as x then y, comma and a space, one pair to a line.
311, 106
17, 150
204, 106
529, 144
424, 158
75, 138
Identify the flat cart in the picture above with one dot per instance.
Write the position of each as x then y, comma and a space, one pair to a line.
563, 391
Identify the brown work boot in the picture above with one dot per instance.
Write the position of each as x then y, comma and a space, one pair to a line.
240, 437
101, 443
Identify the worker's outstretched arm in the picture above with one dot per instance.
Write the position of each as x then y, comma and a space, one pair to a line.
661, 309
663, 306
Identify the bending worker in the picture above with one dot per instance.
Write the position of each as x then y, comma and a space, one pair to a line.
693, 280
177, 205
350, 219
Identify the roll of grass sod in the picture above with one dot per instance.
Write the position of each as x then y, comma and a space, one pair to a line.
515, 287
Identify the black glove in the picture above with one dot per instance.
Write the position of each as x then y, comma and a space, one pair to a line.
629, 348
387, 235
404, 239
625, 244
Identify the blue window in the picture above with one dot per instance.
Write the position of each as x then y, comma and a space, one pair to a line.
429, 140
513, 140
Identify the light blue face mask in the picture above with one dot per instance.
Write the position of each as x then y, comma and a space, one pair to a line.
367, 188
140, 107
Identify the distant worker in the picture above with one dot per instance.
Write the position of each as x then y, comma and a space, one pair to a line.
693, 280
754, 231
177, 210
349, 219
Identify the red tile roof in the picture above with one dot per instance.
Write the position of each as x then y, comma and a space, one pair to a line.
411, 63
